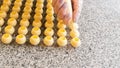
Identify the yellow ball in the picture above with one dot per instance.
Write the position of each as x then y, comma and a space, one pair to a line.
49, 32
27, 9
36, 31
39, 10
26, 15
12, 22
7, 2
3, 14
23, 30
61, 25
29, 4
4, 7
34, 40
1, 21
49, 11
48, 41
61, 32
73, 25
9, 29
50, 17
16, 8
75, 42
38, 4
38, 16
49, 24
6, 38
24, 22
20, 39
18, 3
49, 1
49, 5
37, 23
40, 1
14, 14
62, 41
74, 33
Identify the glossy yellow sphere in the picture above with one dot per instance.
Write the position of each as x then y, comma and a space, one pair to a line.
36, 31
3, 14
48, 41
9, 29
26, 15
6, 38
24, 22
14, 14
4, 7
49, 24
74, 33
34, 39
37, 23
62, 41
20, 39
61, 32
49, 32
23, 30
1, 21
75, 42
12, 21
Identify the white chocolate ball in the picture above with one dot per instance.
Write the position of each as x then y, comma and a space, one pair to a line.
1, 21
4, 7
50, 17
73, 25
14, 14
74, 33
34, 40
38, 16
26, 15
37, 23
3, 14
75, 42
18, 3
20, 39
12, 22
48, 41
23, 30
27, 9
16, 8
49, 32
49, 24
39, 10
24, 22
7, 2
9, 29
6, 38
62, 41
61, 32
36, 31
61, 25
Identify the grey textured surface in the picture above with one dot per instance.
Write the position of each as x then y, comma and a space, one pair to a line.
100, 35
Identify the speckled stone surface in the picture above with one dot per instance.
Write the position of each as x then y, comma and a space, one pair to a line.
100, 34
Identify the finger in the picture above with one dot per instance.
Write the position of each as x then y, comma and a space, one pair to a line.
75, 9
58, 5
67, 18
53, 2
62, 11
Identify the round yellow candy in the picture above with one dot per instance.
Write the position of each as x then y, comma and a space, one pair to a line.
61, 25
34, 40
49, 5
50, 17
49, 24
26, 15
7, 2
40, 1
29, 4
3, 14
48, 11
38, 16
49, 32
49, 1
39, 5
6, 38
62, 41
27, 9
48, 41
16, 8
12, 22
1, 21
39, 10
20, 39
37, 23
61, 32
23, 30
24, 22
75, 42
14, 14
36, 31
4, 7
74, 33
73, 25
18, 3
9, 29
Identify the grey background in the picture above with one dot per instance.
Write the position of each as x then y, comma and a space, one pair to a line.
100, 35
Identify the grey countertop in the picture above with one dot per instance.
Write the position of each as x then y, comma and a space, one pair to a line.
100, 35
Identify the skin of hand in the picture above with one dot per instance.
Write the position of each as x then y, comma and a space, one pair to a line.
61, 9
